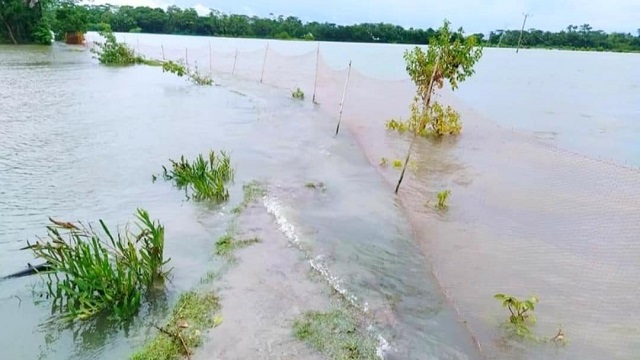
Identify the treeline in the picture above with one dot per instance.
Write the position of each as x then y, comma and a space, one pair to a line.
187, 22
581, 37
31, 24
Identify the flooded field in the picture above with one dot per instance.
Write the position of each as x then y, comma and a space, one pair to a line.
544, 185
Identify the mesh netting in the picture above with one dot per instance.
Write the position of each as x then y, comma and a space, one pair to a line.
527, 218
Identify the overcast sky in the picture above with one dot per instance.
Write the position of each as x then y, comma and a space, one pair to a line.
473, 15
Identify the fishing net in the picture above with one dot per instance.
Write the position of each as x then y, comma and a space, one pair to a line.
527, 218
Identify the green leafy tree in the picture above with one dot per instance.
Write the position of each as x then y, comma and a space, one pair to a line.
450, 57
70, 18
25, 21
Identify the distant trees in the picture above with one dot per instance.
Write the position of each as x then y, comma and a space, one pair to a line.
574, 37
29, 21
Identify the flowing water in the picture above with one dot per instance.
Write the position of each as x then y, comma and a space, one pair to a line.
532, 210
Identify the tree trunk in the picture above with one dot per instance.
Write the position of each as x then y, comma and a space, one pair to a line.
9, 29
422, 124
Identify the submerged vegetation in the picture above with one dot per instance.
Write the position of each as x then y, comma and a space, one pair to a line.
297, 94
251, 192
181, 70
450, 58
204, 178
336, 334
227, 244
193, 314
93, 273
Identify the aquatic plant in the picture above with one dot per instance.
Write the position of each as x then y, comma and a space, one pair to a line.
251, 192
179, 69
227, 244
397, 164
450, 57
384, 161
336, 334
520, 313
94, 272
206, 178
193, 314
442, 199
297, 94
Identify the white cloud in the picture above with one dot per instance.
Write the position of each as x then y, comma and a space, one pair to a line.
201, 9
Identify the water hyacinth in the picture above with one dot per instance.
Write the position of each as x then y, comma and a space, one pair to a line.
94, 272
205, 178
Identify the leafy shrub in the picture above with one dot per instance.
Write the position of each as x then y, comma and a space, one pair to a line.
520, 313
111, 52
442, 199
297, 94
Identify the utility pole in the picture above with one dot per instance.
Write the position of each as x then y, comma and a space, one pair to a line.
522, 30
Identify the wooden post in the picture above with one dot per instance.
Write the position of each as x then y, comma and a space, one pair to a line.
521, 31
427, 101
264, 62
315, 80
344, 94
235, 59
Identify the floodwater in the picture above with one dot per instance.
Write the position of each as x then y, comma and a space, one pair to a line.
544, 186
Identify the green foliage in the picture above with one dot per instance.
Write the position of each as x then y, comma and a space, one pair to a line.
112, 52
25, 22
101, 272
520, 313
297, 94
450, 57
181, 70
336, 334
308, 37
205, 178
70, 18
442, 199
193, 314
397, 164
42, 35
136, 29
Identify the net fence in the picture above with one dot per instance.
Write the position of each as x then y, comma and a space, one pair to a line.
527, 218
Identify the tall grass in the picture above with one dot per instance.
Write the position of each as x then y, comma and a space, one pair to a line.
206, 178
95, 272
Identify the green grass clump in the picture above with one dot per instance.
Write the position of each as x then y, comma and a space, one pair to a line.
442, 199
297, 94
95, 273
336, 334
193, 314
251, 192
397, 164
206, 178
227, 244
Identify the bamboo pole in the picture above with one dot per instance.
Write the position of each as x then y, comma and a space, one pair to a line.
235, 59
210, 62
186, 56
427, 101
315, 80
264, 62
344, 94
162, 47
521, 31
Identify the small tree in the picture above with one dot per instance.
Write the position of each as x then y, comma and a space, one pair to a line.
449, 57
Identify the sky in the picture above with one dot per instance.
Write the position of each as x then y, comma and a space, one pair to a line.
474, 15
